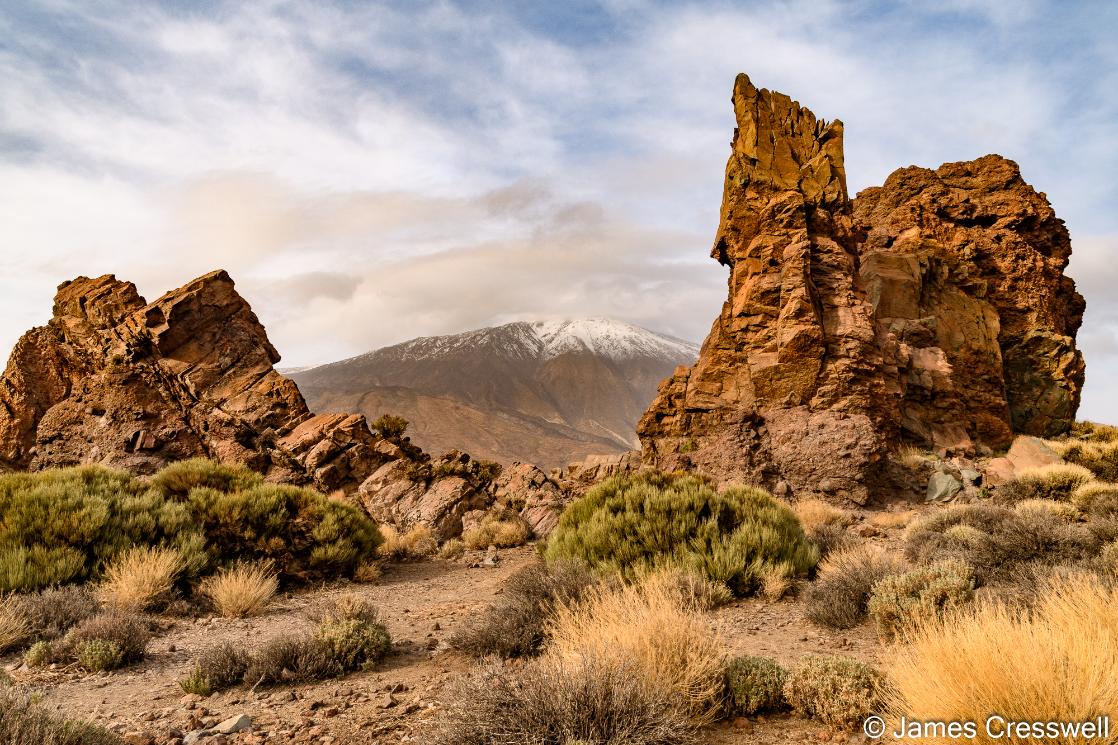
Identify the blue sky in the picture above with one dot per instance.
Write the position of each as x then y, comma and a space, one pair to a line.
370, 172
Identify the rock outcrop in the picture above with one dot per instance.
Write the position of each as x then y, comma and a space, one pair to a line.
117, 381
932, 310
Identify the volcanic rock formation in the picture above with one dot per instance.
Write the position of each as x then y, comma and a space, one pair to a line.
932, 310
117, 381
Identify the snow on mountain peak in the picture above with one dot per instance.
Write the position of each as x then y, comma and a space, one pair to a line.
606, 338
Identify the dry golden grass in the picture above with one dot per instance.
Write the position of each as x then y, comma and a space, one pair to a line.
242, 590
648, 628
13, 627
417, 543
910, 456
368, 572
815, 513
1057, 664
890, 520
775, 584
502, 532
1063, 510
140, 577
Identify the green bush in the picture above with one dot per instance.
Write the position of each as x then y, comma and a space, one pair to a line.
838, 691
390, 426
23, 722
632, 523
753, 684
901, 601
99, 655
40, 654
63, 525
216, 669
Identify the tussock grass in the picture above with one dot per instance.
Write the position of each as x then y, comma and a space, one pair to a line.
1057, 663
1097, 499
815, 513
497, 530
840, 595
1062, 510
891, 520
1057, 481
417, 543
910, 456
140, 578
52, 612
630, 523
244, 589
1101, 457
648, 630
14, 629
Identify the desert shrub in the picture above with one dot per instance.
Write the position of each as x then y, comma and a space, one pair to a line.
815, 513
390, 426
351, 632
901, 601
1108, 558
995, 541
452, 550
29, 568
24, 722
838, 691
840, 594
50, 613
178, 479
13, 627
497, 530
910, 456
291, 658
753, 684
1097, 499
487, 470
302, 531
1063, 510
1054, 664
417, 543
368, 572
553, 700
890, 520
1100, 457
126, 631
831, 538
648, 629
243, 589
694, 589
516, 625
1057, 481
140, 578
650, 519
39, 654
217, 668
99, 655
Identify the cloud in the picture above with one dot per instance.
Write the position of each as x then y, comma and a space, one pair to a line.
375, 171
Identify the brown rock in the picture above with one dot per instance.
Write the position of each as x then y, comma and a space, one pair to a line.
932, 310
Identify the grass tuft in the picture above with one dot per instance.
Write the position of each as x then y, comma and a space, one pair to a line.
244, 589
140, 578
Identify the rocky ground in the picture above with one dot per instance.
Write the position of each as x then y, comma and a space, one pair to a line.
422, 603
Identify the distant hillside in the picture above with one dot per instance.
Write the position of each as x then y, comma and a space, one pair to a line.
545, 392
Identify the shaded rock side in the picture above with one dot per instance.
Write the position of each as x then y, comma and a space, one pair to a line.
932, 310
116, 381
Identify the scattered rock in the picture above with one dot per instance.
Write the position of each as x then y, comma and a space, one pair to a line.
942, 487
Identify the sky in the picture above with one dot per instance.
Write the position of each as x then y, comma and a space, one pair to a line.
370, 172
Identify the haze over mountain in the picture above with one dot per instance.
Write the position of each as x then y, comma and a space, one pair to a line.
545, 392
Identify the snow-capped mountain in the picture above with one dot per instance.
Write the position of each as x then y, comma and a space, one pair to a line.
546, 392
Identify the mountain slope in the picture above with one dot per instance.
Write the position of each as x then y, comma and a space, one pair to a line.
545, 392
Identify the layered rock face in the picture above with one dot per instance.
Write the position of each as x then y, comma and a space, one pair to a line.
932, 310
117, 381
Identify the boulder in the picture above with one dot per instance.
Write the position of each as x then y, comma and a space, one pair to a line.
932, 310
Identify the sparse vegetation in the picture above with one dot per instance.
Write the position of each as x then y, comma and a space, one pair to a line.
1097, 499
108, 640
753, 685
1058, 482
557, 700
1063, 510
140, 578
24, 722
291, 658
910, 456
516, 625
351, 632
452, 550
630, 523
13, 627
838, 691
815, 514
39, 654
99, 655
496, 529
1054, 664
902, 601
839, 596
1096, 449
50, 613
217, 668
390, 426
